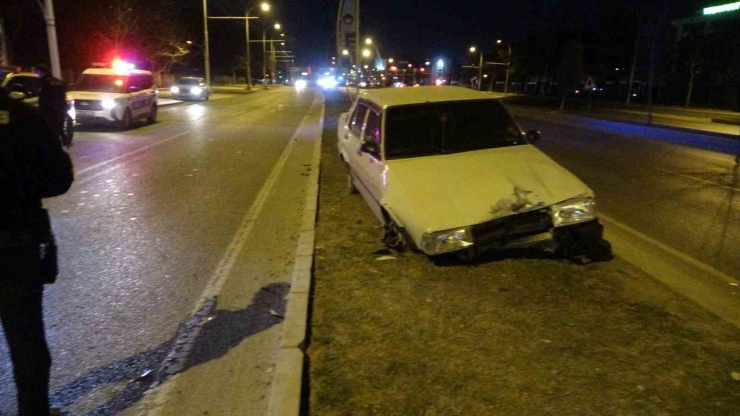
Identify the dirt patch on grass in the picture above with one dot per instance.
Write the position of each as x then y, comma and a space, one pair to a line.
528, 334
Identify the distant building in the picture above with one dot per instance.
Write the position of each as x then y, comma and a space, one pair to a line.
707, 56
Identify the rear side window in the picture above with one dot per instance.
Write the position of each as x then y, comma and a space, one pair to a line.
358, 117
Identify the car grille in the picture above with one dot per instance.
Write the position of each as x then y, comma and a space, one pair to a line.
512, 227
89, 105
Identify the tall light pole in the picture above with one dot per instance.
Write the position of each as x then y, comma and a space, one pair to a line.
480, 67
265, 7
508, 64
51, 33
207, 51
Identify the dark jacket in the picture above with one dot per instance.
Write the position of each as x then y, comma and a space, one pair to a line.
33, 164
53, 102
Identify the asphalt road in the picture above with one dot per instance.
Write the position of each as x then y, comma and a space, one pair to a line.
686, 198
148, 219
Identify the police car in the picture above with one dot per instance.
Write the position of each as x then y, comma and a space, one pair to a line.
117, 95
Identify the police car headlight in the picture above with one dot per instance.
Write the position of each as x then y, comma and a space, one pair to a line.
175, 89
196, 90
108, 104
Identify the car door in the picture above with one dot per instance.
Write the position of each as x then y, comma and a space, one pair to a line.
137, 96
370, 167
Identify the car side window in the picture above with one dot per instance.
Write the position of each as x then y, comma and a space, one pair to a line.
33, 86
147, 82
358, 118
372, 127
135, 83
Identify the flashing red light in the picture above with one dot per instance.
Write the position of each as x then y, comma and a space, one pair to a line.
120, 65
421, 69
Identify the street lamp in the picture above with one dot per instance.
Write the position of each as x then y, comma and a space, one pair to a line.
480, 66
366, 53
277, 26
390, 60
368, 41
265, 7
345, 52
427, 63
508, 64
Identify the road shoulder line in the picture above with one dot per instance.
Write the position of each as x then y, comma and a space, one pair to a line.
710, 288
285, 395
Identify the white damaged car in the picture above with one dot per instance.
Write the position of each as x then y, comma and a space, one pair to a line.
447, 169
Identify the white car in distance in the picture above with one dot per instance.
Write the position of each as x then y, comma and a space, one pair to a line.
447, 169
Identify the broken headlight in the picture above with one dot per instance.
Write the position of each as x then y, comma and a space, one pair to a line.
573, 211
446, 241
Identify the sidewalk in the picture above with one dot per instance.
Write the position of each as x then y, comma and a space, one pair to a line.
697, 119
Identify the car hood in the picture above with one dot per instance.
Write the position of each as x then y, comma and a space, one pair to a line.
442, 192
92, 95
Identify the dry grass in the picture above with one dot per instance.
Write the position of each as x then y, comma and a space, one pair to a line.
517, 335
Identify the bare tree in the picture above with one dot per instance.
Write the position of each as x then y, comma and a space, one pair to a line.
696, 59
148, 29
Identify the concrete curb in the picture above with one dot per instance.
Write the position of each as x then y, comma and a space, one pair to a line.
285, 397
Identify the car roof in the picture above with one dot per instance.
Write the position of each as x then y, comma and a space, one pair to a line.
111, 71
390, 97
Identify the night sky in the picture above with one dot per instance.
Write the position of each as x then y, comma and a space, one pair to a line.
410, 29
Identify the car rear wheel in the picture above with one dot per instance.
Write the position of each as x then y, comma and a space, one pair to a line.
152, 114
125, 123
351, 186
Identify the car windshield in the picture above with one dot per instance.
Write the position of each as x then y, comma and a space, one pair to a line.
189, 81
448, 127
101, 83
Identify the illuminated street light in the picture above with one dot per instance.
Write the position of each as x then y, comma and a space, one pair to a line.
282, 34
345, 52
368, 41
277, 26
472, 49
189, 42
282, 43
366, 53
427, 63
390, 60
265, 7
366, 67
498, 41
411, 66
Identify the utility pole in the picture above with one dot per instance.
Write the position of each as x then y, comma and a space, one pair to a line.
249, 62
358, 60
207, 53
51, 33
4, 59
264, 55
634, 57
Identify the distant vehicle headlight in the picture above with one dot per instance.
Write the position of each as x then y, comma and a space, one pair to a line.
196, 90
175, 89
573, 211
446, 241
108, 104
301, 84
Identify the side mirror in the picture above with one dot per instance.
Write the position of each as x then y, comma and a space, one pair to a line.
371, 147
17, 95
533, 136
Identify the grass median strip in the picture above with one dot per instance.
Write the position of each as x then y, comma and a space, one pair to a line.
521, 333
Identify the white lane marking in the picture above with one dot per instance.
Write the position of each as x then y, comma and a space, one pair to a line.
159, 398
133, 152
685, 175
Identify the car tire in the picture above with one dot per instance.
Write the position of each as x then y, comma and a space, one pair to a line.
69, 131
207, 97
351, 188
394, 238
125, 123
152, 114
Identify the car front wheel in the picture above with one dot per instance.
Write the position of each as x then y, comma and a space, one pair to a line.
125, 123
